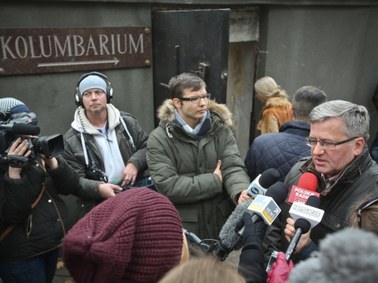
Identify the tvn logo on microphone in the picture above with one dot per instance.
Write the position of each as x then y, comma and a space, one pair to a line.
265, 207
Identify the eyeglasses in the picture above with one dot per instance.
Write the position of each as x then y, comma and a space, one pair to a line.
196, 99
326, 144
362, 207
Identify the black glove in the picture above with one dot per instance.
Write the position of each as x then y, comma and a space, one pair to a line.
254, 232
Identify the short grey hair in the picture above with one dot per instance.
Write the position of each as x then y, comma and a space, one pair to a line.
356, 117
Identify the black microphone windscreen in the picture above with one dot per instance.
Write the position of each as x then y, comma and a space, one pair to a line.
269, 177
304, 224
313, 201
25, 129
278, 192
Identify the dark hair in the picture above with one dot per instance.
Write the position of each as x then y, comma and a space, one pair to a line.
179, 83
305, 99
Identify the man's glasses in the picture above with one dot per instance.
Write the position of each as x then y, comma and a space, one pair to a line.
362, 207
326, 144
196, 99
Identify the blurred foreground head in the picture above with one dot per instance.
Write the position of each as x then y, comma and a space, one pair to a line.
348, 256
133, 237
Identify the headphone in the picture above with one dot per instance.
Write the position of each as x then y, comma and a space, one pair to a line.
109, 89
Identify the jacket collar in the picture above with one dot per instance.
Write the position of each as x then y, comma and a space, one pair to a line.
166, 112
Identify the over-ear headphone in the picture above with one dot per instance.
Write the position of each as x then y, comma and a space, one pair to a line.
109, 89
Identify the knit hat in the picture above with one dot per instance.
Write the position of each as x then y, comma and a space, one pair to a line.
14, 110
135, 236
348, 256
92, 81
9, 106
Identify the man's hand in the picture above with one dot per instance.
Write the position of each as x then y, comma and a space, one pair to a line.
129, 174
218, 170
18, 148
243, 196
289, 232
108, 190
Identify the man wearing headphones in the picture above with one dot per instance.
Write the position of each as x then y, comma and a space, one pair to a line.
105, 146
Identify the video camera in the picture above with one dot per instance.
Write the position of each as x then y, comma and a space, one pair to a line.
19, 126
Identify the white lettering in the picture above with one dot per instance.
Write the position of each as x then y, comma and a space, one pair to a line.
74, 45
6, 49
21, 47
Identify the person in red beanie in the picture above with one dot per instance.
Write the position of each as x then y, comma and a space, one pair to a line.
135, 237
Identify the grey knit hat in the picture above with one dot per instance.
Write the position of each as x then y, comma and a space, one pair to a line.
14, 110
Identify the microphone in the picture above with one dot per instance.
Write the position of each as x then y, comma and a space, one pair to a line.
229, 237
307, 185
306, 216
267, 207
263, 181
229, 240
23, 129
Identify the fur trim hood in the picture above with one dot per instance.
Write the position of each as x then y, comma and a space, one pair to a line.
166, 112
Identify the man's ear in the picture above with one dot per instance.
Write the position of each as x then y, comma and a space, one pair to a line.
359, 145
176, 103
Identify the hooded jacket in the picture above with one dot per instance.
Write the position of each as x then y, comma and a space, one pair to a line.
182, 169
275, 112
74, 154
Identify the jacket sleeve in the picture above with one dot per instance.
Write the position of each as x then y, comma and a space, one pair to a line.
235, 178
17, 195
140, 139
65, 179
178, 187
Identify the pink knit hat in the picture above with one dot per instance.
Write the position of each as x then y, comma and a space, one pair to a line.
133, 237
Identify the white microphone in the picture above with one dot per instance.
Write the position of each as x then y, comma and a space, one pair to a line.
267, 207
262, 182
306, 216
308, 211
230, 236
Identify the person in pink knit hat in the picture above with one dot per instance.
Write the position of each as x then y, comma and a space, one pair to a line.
134, 237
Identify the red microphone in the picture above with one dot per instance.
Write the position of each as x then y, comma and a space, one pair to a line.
306, 187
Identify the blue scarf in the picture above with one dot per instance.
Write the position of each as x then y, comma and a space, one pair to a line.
199, 131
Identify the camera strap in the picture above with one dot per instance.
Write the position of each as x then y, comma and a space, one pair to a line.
128, 136
10, 228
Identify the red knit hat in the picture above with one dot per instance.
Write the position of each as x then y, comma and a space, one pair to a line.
133, 237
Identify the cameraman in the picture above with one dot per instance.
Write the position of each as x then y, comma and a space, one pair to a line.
33, 217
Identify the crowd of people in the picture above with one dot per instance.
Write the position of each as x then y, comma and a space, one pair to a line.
137, 193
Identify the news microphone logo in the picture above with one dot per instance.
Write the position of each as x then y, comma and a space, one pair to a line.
306, 187
262, 182
301, 210
265, 207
